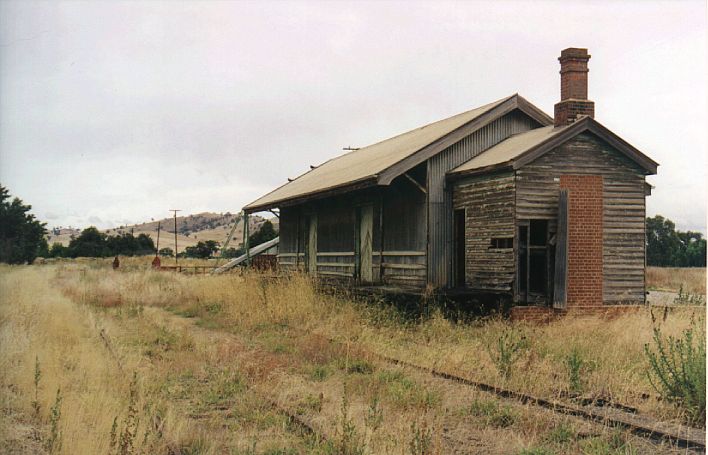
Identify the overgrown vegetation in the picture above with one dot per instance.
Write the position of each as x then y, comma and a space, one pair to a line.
678, 369
94, 243
667, 247
508, 348
575, 362
209, 367
21, 234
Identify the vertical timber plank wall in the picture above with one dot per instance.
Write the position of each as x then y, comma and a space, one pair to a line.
537, 189
404, 234
335, 238
440, 198
288, 248
489, 203
334, 250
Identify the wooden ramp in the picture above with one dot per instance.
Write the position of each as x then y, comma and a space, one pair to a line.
255, 251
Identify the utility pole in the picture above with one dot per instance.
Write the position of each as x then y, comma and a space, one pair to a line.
157, 248
175, 212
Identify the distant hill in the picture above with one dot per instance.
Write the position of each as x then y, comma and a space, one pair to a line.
190, 229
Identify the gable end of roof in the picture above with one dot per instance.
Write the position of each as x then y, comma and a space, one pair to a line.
523, 148
512, 103
588, 124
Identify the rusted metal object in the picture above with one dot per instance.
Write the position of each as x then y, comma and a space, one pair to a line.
265, 262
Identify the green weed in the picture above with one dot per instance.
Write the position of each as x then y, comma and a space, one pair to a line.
678, 370
36, 407
562, 434
348, 441
574, 363
404, 392
536, 451
53, 442
509, 347
492, 414
421, 442
320, 373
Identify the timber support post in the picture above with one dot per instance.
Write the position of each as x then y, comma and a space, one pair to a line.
245, 238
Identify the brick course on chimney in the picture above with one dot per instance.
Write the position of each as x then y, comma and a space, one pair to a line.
574, 101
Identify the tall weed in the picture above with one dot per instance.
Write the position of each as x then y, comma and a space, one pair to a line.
678, 369
509, 348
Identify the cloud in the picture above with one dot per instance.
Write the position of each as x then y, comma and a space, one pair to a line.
122, 110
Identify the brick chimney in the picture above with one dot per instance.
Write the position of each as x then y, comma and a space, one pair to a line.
574, 87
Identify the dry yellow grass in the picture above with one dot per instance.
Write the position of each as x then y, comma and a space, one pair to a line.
688, 279
192, 339
76, 353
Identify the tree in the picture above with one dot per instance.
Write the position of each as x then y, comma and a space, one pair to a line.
121, 244
662, 241
144, 244
58, 251
692, 249
667, 247
21, 235
265, 233
233, 252
166, 252
202, 250
90, 243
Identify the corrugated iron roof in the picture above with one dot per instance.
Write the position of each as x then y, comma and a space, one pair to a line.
367, 162
508, 149
522, 148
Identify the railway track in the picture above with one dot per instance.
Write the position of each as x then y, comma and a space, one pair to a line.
613, 414
607, 413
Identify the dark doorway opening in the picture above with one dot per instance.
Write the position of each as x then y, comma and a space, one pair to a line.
534, 262
459, 236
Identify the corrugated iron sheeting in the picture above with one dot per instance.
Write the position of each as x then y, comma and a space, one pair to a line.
440, 197
370, 160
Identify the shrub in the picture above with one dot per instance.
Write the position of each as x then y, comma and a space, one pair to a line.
677, 370
53, 443
562, 434
320, 373
574, 363
510, 346
492, 414
536, 451
421, 442
348, 441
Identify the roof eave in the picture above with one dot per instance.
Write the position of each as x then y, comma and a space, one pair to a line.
362, 183
513, 102
507, 165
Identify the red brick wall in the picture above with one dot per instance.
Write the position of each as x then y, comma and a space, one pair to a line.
585, 229
574, 73
566, 112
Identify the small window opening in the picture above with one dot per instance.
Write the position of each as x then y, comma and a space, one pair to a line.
502, 242
539, 232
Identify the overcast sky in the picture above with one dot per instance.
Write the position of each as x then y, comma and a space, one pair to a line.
115, 112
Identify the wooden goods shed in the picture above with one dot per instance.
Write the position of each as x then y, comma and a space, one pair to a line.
502, 198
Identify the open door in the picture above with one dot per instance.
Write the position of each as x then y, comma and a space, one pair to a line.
534, 259
560, 280
311, 252
366, 226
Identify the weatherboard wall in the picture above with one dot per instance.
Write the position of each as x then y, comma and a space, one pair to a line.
488, 201
439, 248
537, 193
